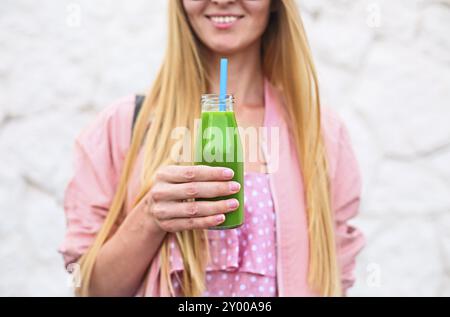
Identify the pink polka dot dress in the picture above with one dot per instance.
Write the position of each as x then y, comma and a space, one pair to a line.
243, 260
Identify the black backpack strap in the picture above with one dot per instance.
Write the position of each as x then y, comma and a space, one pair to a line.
138, 102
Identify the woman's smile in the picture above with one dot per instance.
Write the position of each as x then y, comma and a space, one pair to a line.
224, 21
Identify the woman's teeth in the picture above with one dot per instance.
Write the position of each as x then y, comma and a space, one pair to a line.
224, 20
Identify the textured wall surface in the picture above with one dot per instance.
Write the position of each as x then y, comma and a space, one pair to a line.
383, 65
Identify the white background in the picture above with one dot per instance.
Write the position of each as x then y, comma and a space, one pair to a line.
383, 65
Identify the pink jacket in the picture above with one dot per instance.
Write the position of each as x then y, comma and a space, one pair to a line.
100, 152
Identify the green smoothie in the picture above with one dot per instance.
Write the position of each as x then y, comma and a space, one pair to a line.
219, 144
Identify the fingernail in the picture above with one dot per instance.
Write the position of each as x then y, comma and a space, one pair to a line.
235, 187
228, 173
233, 204
220, 218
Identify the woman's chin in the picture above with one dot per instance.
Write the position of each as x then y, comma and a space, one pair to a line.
224, 49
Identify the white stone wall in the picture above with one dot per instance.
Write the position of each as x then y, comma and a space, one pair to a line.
383, 65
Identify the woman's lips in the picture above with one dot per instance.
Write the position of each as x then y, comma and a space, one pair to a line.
224, 21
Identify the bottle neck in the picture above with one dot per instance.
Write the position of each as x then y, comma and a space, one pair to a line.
213, 103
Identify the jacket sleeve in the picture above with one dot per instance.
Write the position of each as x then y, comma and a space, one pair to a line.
346, 194
100, 150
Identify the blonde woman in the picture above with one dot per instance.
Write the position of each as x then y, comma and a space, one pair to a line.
132, 226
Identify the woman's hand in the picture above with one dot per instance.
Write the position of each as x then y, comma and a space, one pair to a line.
166, 201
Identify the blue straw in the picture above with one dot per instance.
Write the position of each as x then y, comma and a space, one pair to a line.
223, 83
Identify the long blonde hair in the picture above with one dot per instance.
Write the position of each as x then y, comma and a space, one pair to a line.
173, 102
